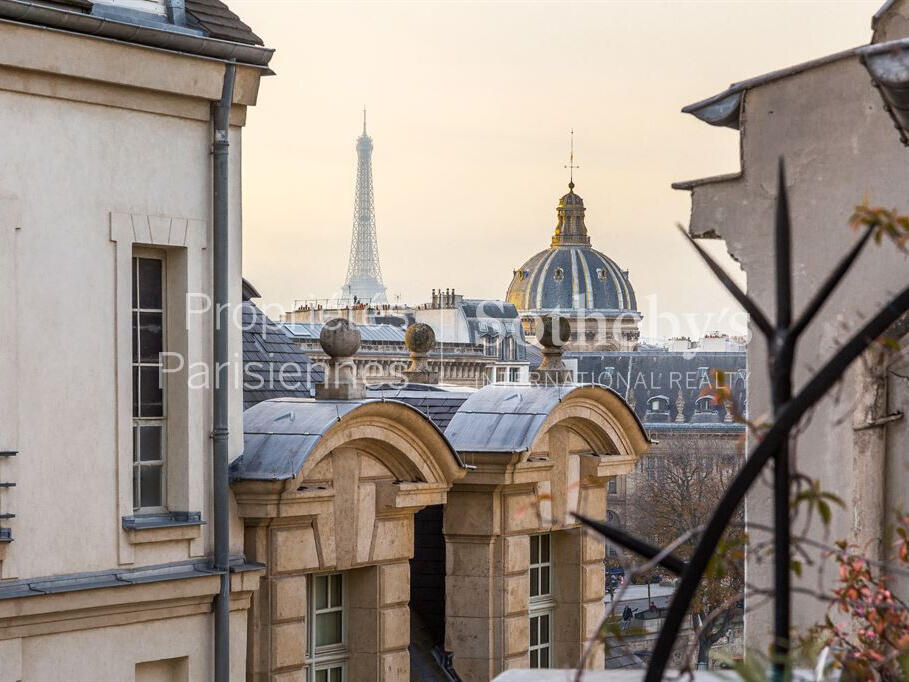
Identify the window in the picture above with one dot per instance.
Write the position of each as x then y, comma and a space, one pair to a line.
541, 604
704, 404
559, 275
508, 348
491, 345
149, 409
327, 651
500, 374
612, 486
514, 375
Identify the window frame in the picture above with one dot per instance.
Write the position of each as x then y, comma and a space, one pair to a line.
138, 421
327, 656
541, 604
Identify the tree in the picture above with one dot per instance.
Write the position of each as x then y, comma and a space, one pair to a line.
676, 501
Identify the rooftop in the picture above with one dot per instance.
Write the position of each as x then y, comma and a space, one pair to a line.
206, 28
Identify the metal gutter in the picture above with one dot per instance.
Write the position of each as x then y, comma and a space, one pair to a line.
712, 180
724, 108
32, 13
220, 406
888, 65
93, 580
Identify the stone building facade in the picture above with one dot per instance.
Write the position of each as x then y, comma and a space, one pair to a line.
478, 342
832, 120
106, 200
500, 575
669, 392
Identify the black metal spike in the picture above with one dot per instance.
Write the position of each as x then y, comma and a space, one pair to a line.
782, 231
636, 545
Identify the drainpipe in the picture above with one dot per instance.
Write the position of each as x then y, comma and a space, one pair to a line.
220, 179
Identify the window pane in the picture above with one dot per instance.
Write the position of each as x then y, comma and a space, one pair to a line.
335, 589
328, 628
135, 391
534, 582
150, 283
135, 443
150, 443
321, 590
534, 549
321, 675
335, 674
544, 549
544, 629
150, 486
544, 657
135, 487
135, 336
534, 627
534, 660
150, 394
151, 336
544, 580
135, 270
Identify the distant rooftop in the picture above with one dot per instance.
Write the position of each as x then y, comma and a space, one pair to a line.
203, 27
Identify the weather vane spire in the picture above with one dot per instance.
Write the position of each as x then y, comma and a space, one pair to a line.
571, 166
364, 119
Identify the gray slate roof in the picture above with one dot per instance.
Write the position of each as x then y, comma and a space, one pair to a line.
273, 365
437, 404
213, 17
641, 375
279, 434
504, 418
219, 22
569, 278
309, 331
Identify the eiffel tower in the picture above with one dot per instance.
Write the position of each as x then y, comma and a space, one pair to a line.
364, 274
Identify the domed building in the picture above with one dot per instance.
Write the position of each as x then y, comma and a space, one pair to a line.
573, 278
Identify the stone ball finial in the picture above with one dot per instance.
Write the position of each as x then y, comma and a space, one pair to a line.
420, 338
340, 338
553, 331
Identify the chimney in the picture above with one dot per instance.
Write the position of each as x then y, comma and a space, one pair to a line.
340, 340
420, 339
553, 332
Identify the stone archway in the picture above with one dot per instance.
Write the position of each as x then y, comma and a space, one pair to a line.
345, 515
509, 521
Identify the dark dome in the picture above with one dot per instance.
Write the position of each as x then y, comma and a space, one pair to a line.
571, 278
570, 275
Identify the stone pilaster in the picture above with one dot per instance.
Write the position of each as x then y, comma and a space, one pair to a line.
473, 628
378, 630
579, 584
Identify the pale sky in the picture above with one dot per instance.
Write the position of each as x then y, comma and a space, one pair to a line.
470, 104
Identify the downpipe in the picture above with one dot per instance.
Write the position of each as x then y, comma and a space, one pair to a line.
220, 416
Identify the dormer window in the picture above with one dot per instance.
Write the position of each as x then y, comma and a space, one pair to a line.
559, 275
601, 273
658, 404
704, 404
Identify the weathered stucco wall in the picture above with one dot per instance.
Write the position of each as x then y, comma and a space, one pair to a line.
840, 147
106, 146
68, 166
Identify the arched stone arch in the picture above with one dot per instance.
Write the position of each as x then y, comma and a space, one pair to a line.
333, 488
398, 436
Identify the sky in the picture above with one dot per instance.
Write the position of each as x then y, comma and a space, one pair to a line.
470, 106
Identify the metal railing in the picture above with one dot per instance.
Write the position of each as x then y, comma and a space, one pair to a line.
788, 409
